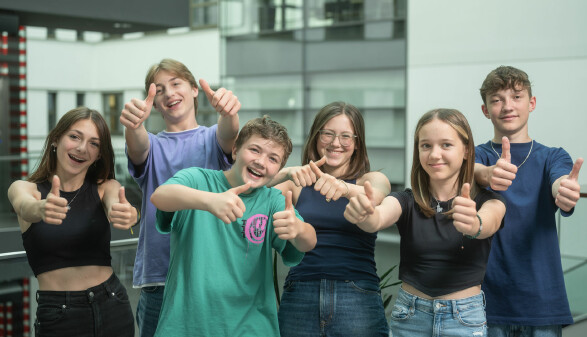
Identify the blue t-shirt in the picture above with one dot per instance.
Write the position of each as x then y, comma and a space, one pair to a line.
169, 152
524, 282
220, 275
343, 250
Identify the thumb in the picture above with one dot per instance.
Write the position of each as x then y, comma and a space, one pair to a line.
55, 184
150, 96
466, 191
288, 202
241, 189
369, 190
121, 196
321, 162
505, 149
574, 175
206, 87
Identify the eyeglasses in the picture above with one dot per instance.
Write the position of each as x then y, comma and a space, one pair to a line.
345, 138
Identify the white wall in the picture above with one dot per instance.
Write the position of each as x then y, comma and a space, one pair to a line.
452, 45
118, 65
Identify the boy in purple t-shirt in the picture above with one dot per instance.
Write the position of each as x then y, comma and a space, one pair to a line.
152, 159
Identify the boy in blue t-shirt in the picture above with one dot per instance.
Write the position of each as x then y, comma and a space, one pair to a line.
154, 158
223, 227
524, 285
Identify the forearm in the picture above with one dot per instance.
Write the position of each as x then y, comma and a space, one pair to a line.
482, 175
306, 239
280, 177
137, 142
29, 210
227, 131
171, 198
491, 214
372, 223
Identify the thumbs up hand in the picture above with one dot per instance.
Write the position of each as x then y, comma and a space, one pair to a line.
285, 223
54, 208
465, 212
227, 206
503, 172
222, 100
569, 190
122, 214
308, 174
360, 207
137, 111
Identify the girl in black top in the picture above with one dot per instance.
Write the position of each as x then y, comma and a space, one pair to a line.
64, 211
446, 224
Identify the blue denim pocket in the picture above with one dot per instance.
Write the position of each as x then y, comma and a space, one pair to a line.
401, 311
471, 316
365, 286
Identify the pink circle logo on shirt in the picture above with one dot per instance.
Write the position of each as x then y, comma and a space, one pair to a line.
255, 228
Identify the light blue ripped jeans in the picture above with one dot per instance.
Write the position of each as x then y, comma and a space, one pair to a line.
413, 316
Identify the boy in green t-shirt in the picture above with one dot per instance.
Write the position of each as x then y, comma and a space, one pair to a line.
223, 227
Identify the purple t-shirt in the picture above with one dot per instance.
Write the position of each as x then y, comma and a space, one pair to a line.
169, 152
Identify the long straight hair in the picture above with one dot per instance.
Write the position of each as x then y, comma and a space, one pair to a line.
419, 177
103, 167
359, 163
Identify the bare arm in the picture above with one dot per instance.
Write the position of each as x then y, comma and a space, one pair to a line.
227, 105
132, 117
288, 227
361, 210
27, 203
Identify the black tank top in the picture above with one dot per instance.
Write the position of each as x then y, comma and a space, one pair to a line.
82, 239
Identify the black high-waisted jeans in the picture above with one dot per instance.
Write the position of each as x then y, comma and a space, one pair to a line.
100, 311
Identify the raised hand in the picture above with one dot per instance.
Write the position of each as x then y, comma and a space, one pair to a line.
330, 187
285, 223
222, 100
137, 111
122, 214
308, 174
54, 208
569, 190
465, 212
503, 172
228, 206
361, 206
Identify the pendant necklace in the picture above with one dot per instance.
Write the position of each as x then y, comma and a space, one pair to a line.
75, 196
438, 207
528, 155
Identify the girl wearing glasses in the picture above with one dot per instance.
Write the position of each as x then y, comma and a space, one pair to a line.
446, 224
335, 289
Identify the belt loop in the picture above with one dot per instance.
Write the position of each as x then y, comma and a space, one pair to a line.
67, 298
37, 296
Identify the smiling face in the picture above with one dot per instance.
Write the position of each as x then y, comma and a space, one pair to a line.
509, 109
257, 160
174, 99
441, 152
77, 149
338, 157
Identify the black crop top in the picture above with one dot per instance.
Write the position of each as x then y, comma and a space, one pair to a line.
82, 239
434, 257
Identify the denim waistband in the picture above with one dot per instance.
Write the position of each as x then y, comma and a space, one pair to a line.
440, 306
89, 295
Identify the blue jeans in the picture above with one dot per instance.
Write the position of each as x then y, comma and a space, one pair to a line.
499, 330
100, 311
413, 316
148, 310
332, 308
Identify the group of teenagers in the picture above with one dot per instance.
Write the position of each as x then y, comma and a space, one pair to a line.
479, 254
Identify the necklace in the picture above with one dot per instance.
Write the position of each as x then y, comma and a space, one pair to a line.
528, 155
75, 196
439, 208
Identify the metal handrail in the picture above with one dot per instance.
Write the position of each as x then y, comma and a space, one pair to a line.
113, 244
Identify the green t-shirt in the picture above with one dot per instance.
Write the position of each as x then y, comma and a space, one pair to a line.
220, 276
